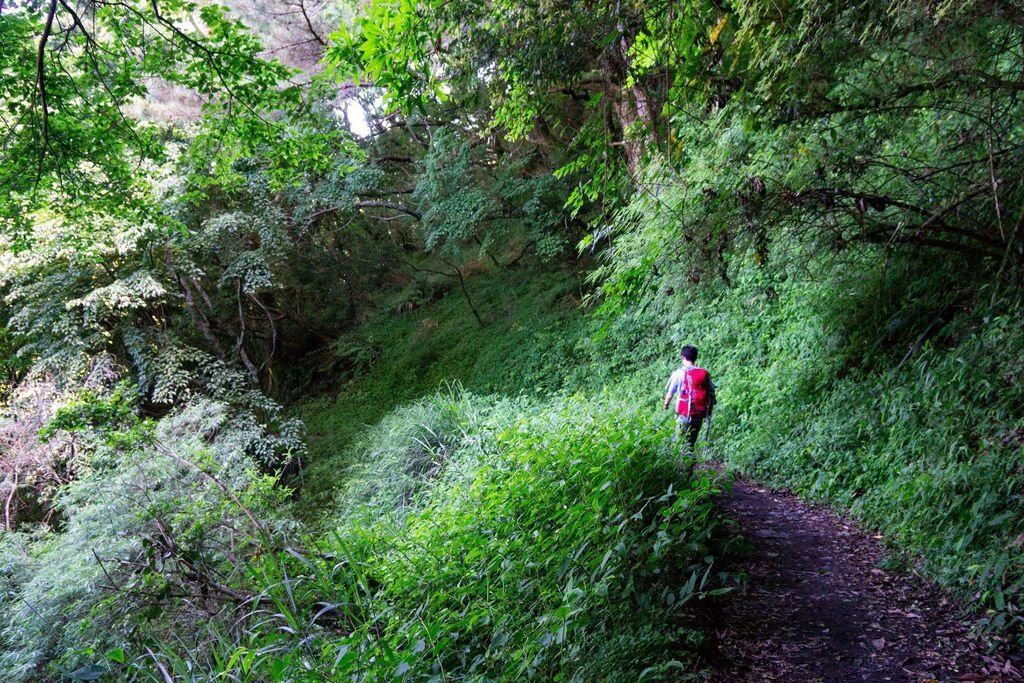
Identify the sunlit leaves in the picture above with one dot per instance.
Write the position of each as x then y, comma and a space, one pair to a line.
392, 47
84, 147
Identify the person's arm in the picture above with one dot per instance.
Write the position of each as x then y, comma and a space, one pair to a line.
670, 391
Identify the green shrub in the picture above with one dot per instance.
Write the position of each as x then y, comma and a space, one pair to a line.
528, 347
892, 396
154, 537
546, 547
885, 382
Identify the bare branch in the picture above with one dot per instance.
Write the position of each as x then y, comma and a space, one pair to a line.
309, 23
41, 76
373, 203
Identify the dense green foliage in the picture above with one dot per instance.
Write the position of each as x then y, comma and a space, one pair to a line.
889, 395
916, 432
529, 343
286, 396
555, 541
144, 522
72, 72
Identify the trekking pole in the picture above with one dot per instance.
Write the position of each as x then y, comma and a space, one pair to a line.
706, 446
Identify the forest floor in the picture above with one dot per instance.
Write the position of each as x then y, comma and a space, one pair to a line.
819, 605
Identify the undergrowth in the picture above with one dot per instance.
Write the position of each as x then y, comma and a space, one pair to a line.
860, 378
532, 336
558, 540
892, 396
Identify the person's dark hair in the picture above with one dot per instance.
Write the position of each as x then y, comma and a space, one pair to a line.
689, 353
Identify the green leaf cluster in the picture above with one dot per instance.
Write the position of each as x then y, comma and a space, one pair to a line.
547, 534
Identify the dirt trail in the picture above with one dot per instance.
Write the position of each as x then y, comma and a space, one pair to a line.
818, 607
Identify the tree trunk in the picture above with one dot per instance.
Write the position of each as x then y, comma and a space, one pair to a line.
634, 111
465, 293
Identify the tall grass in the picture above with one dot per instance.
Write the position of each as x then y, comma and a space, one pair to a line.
888, 394
560, 544
527, 347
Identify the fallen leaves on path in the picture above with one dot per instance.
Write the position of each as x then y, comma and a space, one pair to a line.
818, 606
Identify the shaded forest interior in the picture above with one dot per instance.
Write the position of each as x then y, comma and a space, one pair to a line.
335, 333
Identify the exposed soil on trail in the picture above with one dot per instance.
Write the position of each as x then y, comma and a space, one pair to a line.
818, 606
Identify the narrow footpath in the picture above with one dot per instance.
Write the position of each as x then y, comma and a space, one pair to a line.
819, 606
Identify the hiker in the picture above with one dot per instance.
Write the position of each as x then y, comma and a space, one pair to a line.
696, 394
